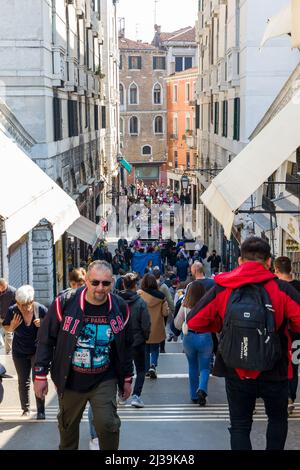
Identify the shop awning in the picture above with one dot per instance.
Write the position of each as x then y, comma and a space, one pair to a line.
253, 165
85, 230
28, 195
125, 164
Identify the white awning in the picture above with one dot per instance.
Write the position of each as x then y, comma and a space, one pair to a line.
85, 230
253, 165
27, 194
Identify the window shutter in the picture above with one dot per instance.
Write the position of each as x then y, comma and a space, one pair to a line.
197, 116
103, 117
57, 124
236, 123
130, 62
139, 63
154, 63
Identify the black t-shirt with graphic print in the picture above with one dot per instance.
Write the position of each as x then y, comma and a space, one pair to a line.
92, 357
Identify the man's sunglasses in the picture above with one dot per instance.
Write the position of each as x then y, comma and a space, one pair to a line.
96, 283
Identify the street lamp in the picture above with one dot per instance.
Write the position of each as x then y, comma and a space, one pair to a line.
185, 182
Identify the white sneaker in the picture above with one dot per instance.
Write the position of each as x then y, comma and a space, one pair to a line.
137, 402
94, 444
121, 401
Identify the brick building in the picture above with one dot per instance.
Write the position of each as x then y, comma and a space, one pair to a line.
143, 109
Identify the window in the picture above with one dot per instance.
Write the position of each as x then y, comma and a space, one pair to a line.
188, 160
133, 125
175, 126
159, 63
96, 117
157, 98
121, 62
175, 159
121, 92
175, 93
158, 125
225, 119
216, 118
187, 122
236, 119
57, 119
133, 94
197, 124
103, 117
183, 63
134, 62
187, 92
146, 150
72, 118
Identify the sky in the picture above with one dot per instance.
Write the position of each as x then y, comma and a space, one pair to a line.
171, 15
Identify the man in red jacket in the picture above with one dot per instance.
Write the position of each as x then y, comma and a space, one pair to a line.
243, 387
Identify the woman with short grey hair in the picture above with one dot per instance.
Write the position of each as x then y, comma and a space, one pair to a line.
24, 319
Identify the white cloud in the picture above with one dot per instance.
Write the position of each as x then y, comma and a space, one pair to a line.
171, 15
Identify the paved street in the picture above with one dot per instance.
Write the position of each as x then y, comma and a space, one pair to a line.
168, 420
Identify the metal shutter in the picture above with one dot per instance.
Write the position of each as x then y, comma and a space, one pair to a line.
18, 266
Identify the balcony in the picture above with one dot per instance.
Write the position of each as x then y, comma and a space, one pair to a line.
191, 141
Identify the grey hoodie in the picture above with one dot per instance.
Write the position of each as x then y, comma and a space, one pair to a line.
140, 318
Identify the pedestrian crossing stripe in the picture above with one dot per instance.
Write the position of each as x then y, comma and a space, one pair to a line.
153, 413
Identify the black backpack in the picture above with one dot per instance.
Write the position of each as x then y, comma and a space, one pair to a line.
248, 339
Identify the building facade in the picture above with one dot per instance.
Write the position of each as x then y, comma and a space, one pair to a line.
53, 80
236, 85
181, 48
143, 104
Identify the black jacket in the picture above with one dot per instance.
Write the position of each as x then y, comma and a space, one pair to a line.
6, 300
140, 318
56, 344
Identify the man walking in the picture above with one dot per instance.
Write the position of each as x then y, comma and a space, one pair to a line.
141, 325
283, 270
215, 261
86, 339
239, 299
197, 271
7, 298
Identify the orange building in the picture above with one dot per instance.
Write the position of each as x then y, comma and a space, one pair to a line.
181, 124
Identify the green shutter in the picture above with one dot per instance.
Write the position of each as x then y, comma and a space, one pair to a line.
139, 62
236, 123
129, 62
154, 63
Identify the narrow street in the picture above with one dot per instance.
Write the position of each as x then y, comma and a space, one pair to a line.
168, 420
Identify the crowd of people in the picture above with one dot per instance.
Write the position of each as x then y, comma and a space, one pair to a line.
113, 322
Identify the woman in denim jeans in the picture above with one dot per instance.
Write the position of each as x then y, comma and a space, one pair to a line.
198, 347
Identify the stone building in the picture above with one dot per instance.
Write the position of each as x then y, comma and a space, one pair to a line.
53, 80
236, 85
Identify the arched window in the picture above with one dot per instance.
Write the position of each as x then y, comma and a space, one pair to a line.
133, 94
121, 92
146, 150
133, 125
157, 94
158, 125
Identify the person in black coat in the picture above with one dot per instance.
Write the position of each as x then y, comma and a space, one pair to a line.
141, 324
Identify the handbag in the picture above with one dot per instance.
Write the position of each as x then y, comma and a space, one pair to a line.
184, 327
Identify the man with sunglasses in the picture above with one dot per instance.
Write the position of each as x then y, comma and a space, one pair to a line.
86, 340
